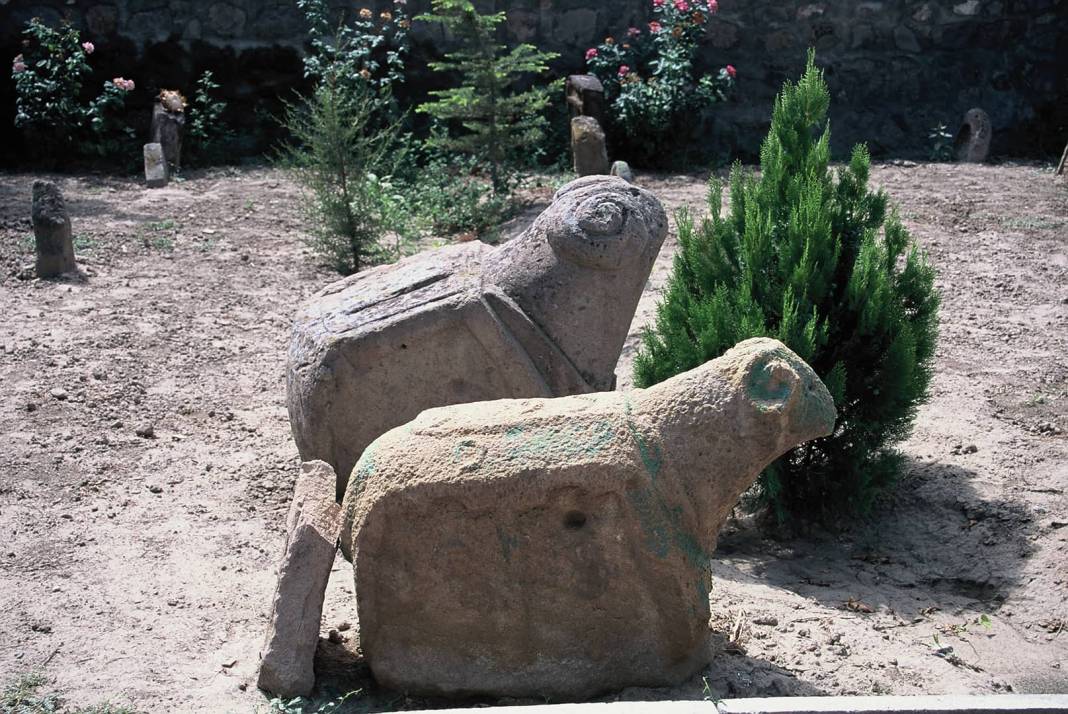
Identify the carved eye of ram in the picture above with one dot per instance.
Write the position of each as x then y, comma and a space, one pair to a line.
601, 217
771, 382
596, 234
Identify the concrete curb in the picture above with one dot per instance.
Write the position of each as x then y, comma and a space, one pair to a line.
942, 704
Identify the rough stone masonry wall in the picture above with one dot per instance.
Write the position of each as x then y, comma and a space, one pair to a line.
896, 67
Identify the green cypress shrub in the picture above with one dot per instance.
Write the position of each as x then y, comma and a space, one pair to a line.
812, 257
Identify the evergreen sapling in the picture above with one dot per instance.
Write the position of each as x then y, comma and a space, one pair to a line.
497, 122
813, 258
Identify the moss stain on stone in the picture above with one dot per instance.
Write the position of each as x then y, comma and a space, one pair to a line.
578, 440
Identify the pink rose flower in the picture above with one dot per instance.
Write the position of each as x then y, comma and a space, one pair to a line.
713, 6
624, 70
590, 54
633, 32
88, 47
658, 3
125, 85
655, 27
731, 71
17, 65
682, 6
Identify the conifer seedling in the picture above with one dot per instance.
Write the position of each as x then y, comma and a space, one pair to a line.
494, 121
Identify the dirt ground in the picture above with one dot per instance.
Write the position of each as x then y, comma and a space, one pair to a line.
140, 569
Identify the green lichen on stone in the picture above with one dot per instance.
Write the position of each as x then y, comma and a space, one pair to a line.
660, 523
763, 388
651, 456
579, 440
364, 468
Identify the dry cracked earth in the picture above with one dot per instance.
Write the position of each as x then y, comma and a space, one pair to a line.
147, 460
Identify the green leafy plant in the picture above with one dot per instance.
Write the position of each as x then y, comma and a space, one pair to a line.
358, 51
815, 259
50, 102
206, 131
941, 139
655, 95
302, 705
22, 696
347, 144
489, 118
451, 198
344, 157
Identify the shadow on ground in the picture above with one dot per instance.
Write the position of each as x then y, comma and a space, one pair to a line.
935, 543
339, 669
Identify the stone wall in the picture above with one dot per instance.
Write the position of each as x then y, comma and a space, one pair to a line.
896, 67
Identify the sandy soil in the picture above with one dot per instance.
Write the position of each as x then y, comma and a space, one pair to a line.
140, 568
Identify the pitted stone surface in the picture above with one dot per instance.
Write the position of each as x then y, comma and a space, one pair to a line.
545, 314
559, 547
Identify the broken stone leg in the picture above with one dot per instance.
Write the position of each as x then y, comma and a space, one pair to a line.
51, 231
589, 146
973, 139
314, 520
543, 315
155, 166
559, 547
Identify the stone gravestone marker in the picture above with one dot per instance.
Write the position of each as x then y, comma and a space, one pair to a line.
585, 97
155, 166
51, 231
545, 314
973, 138
312, 529
168, 127
622, 170
559, 548
588, 146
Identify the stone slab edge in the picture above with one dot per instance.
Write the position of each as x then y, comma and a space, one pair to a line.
937, 704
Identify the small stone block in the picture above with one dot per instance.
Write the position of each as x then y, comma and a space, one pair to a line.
155, 166
589, 146
622, 170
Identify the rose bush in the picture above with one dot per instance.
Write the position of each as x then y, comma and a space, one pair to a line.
656, 100
51, 106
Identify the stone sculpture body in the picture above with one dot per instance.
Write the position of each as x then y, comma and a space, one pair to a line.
559, 547
543, 315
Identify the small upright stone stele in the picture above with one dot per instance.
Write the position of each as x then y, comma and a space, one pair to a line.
973, 139
156, 173
560, 547
52, 231
585, 97
168, 127
589, 146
